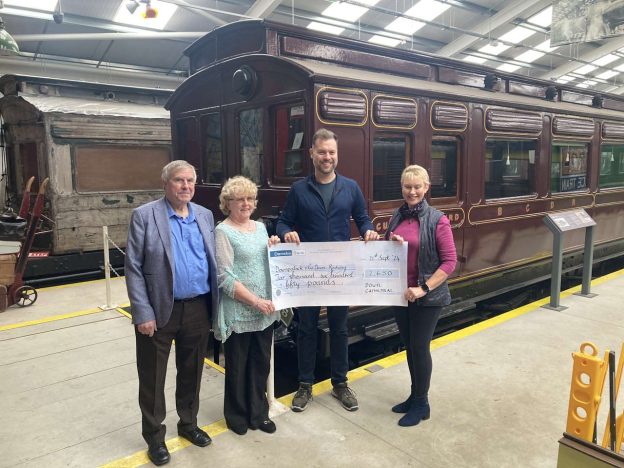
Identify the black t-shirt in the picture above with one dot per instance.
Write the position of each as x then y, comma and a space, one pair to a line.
326, 191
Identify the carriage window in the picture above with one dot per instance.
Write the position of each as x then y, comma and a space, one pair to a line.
289, 133
443, 169
509, 168
212, 163
611, 166
568, 169
251, 144
188, 141
390, 156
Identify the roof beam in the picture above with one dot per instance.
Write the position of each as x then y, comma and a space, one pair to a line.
611, 45
107, 36
504, 16
262, 8
107, 75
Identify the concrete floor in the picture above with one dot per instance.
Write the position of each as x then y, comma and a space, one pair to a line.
499, 395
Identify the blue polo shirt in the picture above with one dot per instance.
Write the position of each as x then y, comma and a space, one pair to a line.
191, 275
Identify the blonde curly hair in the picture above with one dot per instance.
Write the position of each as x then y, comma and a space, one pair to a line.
236, 187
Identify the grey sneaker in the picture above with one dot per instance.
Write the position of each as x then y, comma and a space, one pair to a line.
346, 396
302, 397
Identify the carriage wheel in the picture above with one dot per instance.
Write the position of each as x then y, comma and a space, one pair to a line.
25, 296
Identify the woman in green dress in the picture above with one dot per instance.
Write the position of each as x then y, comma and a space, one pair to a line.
246, 314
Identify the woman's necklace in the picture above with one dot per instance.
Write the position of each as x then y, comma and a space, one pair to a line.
247, 226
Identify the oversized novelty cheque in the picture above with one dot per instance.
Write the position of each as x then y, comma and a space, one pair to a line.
338, 273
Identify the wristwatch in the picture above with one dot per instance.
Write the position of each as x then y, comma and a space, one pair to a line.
425, 288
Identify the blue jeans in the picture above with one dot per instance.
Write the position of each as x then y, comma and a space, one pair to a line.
338, 342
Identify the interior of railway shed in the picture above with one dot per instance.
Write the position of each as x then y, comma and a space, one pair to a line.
108, 82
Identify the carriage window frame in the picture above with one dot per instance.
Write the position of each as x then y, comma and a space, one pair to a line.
261, 112
611, 167
407, 138
202, 136
532, 157
570, 144
302, 141
458, 153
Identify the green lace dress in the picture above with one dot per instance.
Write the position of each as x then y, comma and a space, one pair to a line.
241, 256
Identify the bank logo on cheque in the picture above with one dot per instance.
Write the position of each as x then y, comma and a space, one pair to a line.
281, 253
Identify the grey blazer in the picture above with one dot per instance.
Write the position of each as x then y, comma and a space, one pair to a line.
149, 264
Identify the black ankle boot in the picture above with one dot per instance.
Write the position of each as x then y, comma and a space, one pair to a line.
418, 411
404, 406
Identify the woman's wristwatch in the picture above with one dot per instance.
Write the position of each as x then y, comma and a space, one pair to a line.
425, 288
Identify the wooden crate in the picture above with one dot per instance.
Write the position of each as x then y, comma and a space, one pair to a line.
7, 268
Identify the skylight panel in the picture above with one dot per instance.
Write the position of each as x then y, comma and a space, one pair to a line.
44, 5
426, 10
620, 68
607, 75
529, 56
405, 26
383, 40
543, 18
494, 49
165, 12
324, 27
584, 70
605, 59
474, 59
564, 79
508, 67
586, 84
346, 11
515, 36
545, 46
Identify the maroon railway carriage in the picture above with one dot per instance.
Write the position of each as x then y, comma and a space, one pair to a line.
503, 150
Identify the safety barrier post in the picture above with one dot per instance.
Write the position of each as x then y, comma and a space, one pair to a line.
588, 377
107, 266
275, 407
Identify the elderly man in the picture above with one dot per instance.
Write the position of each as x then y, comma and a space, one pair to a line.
171, 278
318, 209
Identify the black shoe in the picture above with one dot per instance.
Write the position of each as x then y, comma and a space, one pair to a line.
238, 430
195, 436
267, 426
158, 454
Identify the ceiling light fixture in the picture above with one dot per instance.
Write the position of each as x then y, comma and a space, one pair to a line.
132, 6
58, 15
150, 11
8, 46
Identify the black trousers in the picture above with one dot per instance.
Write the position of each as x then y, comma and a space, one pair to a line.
416, 327
190, 327
247, 366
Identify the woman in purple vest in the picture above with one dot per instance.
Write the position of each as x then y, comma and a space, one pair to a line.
431, 258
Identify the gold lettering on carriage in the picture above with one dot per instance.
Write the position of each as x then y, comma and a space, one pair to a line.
338, 273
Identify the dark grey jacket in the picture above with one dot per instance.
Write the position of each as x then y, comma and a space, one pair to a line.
428, 259
149, 261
